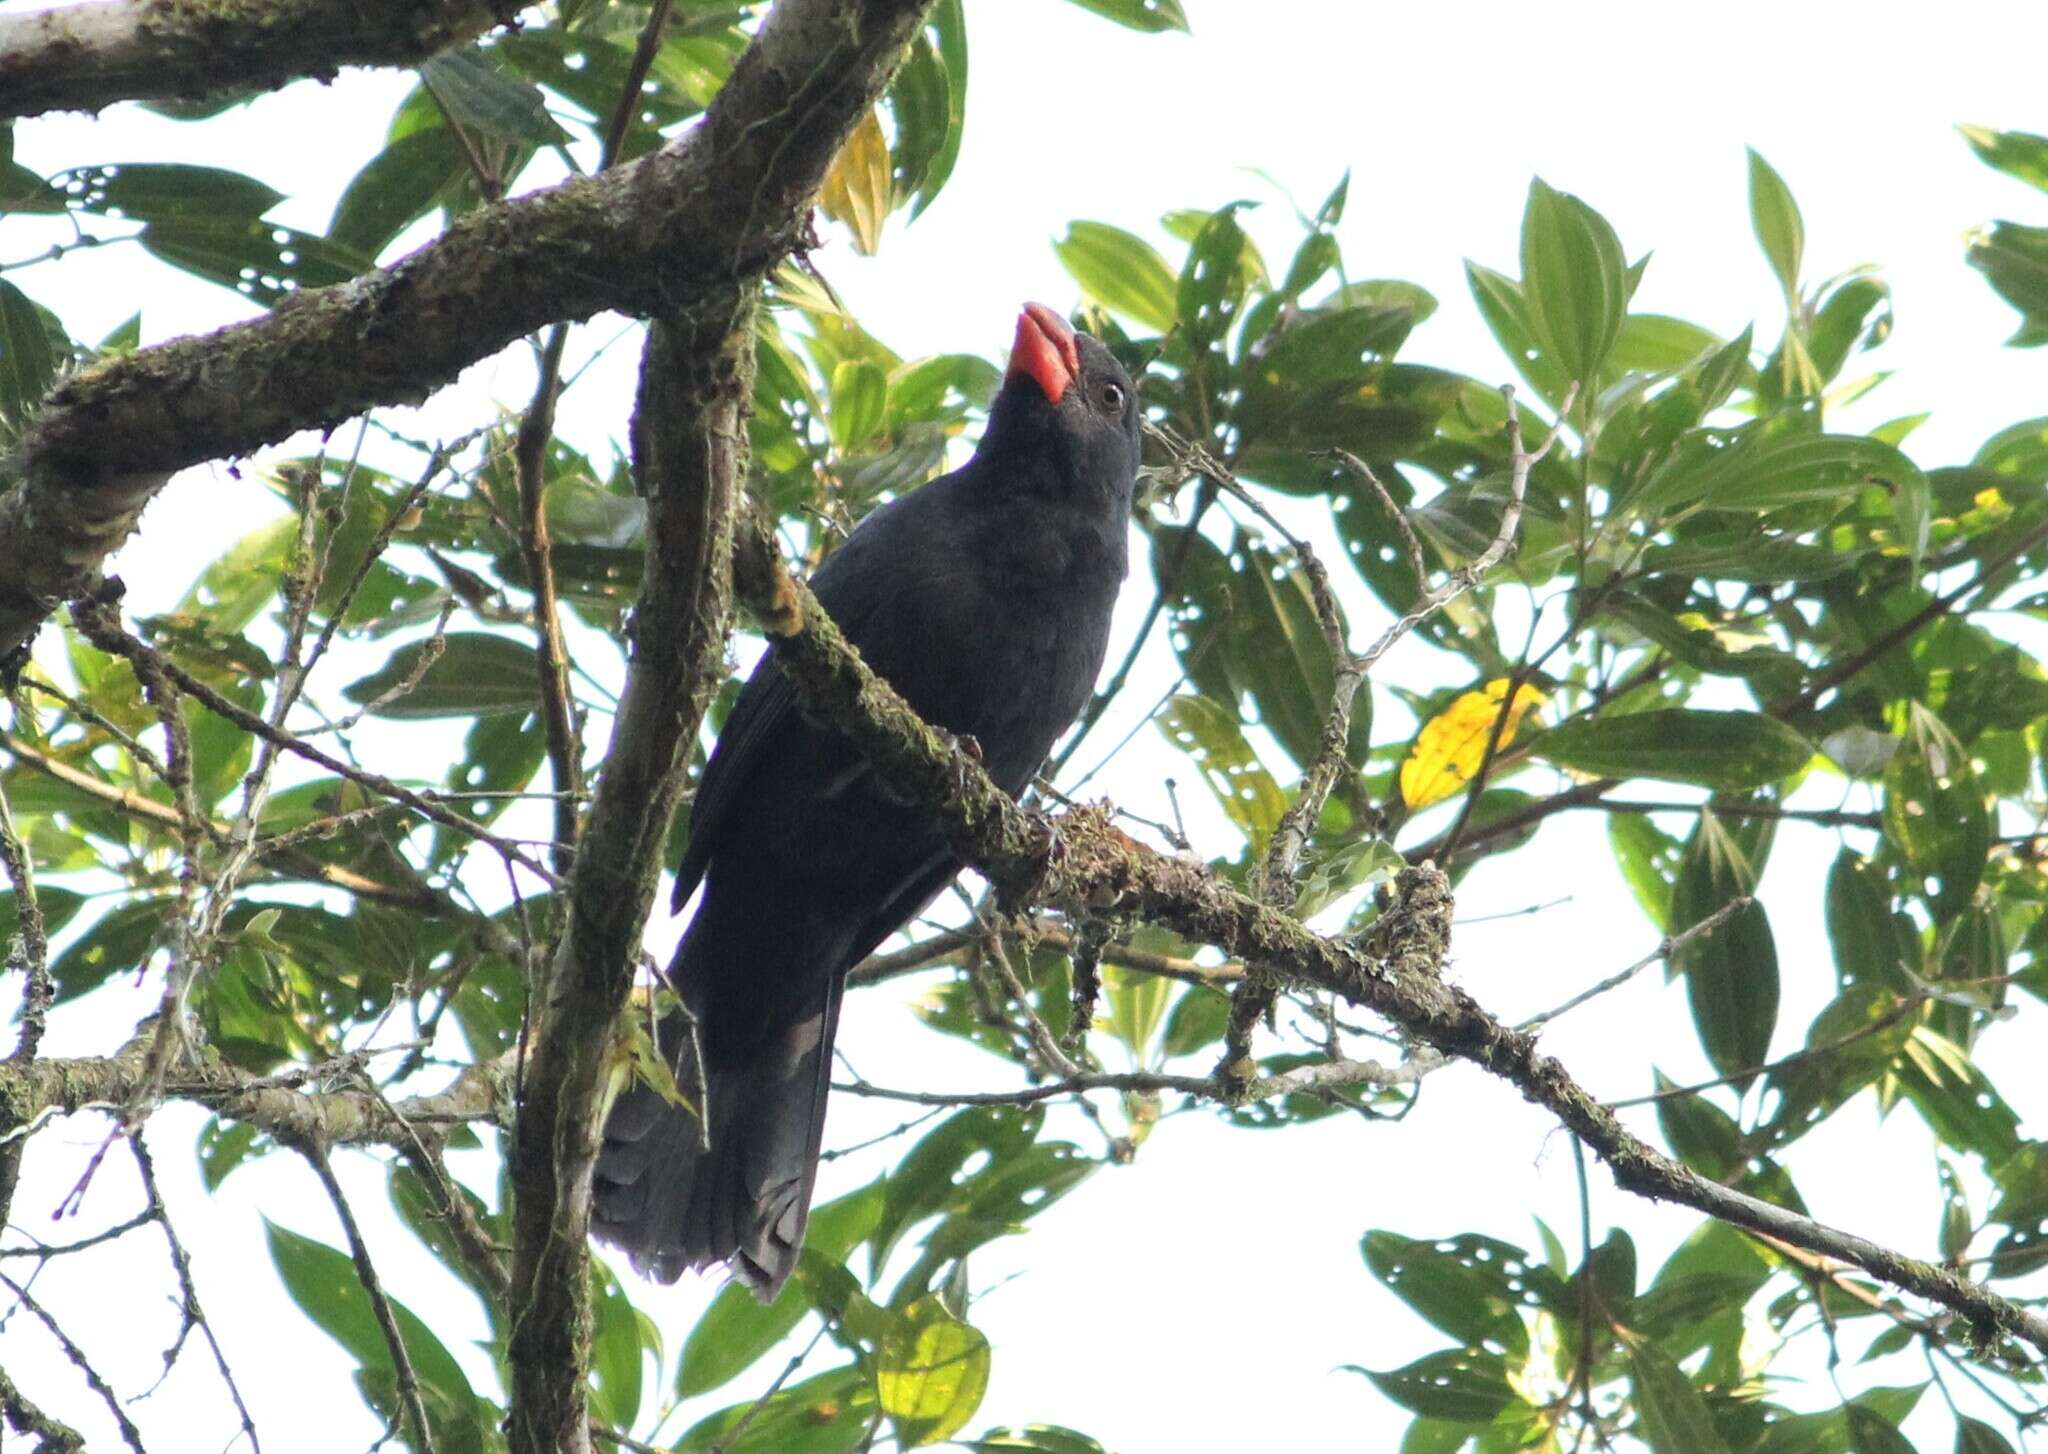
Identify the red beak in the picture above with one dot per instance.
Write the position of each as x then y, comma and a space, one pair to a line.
1045, 350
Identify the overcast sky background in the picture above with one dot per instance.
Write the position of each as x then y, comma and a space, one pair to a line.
1204, 1298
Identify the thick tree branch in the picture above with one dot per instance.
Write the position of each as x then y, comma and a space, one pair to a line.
83, 57
1078, 860
689, 456
275, 1104
711, 210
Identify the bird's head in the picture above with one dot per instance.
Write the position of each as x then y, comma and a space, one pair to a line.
1067, 399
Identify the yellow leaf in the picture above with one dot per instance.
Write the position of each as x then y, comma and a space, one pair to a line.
1447, 750
857, 188
931, 1372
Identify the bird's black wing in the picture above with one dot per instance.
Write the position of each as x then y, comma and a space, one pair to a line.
853, 589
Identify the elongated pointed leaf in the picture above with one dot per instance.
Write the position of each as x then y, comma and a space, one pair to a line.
1574, 282
1775, 216
1730, 751
1123, 272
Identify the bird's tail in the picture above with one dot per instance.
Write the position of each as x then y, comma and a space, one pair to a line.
673, 1202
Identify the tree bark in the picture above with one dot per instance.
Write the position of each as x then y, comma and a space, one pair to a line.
83, 57
690, 456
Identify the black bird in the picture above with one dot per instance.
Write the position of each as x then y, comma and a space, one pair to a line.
984, 598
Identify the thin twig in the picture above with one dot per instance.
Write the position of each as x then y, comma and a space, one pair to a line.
1669, 946
130, 1435
190, 1313
380, 1305
104, 631
1906, 1006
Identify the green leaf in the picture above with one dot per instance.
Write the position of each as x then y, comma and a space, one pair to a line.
2016, 153
28, 359
1729, 751
1870, 944
412, 176
921, 105
2014, 259
826, 1414
477, 675
223, 1146
1574, 282
1673, 1416
930, 1373
1934, 811
1034, 1439
1731, 975
477, 93
1752, 471
1213, 280
1872, 1433
860, 394
1973, 1436
925, 1180
1471, 1287
259, 260
1148, 15
1435, 1436
1196, 1022
949, 26
1459, 1385
160, 191
1775, 216
1212, 739
615, 1351
1122, 272
737, 1329
1648, 858
323, 1282
120, 941
1504, 304
1699, 1133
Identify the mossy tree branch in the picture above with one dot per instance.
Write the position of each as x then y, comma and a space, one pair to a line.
1077, 861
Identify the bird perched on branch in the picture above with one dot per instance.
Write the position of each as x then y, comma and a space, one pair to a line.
984, 598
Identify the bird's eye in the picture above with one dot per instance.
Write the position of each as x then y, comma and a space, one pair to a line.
1112, 398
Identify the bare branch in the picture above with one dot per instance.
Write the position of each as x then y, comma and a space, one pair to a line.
83, 57
130, 1435
1664, 950
191, 1314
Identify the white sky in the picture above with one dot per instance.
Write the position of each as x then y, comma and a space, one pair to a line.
1203, 1298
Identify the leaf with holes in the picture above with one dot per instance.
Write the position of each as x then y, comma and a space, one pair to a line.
1471, 1287
259, 260
1456, 1384
1214, 742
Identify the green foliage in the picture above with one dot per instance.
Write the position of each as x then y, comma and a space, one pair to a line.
1749, 610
